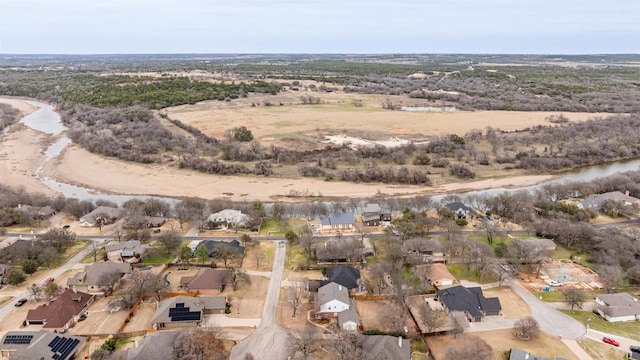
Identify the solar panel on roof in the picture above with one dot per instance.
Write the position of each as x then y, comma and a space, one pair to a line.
18, 339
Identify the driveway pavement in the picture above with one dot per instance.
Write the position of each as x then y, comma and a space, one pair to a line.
551, 321
269, 341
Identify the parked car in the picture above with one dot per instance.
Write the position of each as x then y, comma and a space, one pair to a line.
21, 302
554, 283
610, 341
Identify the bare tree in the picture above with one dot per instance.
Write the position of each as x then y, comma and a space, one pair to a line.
108, 281
302, 343
431, 318
170, 240
295, 295
394, 317
490, 228
35, 291
346, 345
468, 348
526, 328
199, 344
236, 276
612, 275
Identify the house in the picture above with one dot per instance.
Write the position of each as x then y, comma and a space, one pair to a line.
37, 212
595, 201
459, 210
157, 346
229, 218
540, 244
332, 301
618, 307
107, 214
125, 250
28, 345
217, 246
139, 222
439, 276
338, 221
63, 311
385, 347
206, 281
425, 250
517, 354
94, 277
346, 276
186, 311
335, 251
470, 301
371, 215
193, 245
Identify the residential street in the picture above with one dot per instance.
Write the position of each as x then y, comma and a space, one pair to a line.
551, 321
269, 341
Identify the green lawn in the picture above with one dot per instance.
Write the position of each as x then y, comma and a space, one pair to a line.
460, 272
626, 329
600, 350
275, 227
70, 252
557, 296
296, 255
159, 256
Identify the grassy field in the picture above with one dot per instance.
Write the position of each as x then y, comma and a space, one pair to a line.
70, 252
599, 350
460, 272
275, 227
626, 329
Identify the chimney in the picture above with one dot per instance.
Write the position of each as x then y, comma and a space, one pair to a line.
339, 287
626, 192
526, 356
399, 341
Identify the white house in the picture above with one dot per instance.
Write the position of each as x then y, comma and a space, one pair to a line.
618, 307
332, 301
229, 217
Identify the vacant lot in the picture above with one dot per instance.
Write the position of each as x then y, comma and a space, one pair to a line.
141, 320
248, 300
502, 341
512, 305
259, 256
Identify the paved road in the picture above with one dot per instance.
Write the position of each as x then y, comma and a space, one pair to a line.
9, 306
551, 321
624, 342
269, 341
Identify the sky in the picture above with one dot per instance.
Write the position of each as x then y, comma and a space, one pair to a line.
319, 26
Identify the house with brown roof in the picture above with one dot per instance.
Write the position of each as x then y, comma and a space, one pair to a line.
94, 277
62, 312
206, 281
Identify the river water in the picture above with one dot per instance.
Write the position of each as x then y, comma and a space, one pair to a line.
46, 120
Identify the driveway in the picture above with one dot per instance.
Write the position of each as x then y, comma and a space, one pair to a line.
269, 341
551, 321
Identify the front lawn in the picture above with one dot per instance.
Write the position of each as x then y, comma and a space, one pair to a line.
459, 271
628, 329
275, 227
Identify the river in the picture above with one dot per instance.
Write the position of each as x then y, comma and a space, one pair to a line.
47, 120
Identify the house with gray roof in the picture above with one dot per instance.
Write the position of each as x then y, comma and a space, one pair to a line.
594, 202
43, 345
460, 210
371, 215
229, 218
338, 221
332, 302
206, 281
385, 347
93, 278
125, 250
618, 307
107, 214
186, 311
517, 354
156, 346
470, 301
37, 212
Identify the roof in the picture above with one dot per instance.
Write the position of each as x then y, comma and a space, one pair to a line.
115, 246
457, 205
385, 347
205, 278
333, 291
109, 211
58, 312
42, 211
423, 246
346, 276
333, 249
620, 304
233, 245
517, 354
157, 346
595, 201
339, 219
230, 215
40, 345
372, 208
186, 308
92, 274
349, 315
471, 300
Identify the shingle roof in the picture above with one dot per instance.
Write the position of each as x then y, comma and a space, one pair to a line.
230, 215
194, 304
517, 354
233, 245
41, 345
346, 276
61, 309
471, 300
157, 346
339, 219
332, 291
595, 201
457, 205
92, 274
372, 208
620, 304
385, 347
107, 210
115, 246
204, 279
349, 315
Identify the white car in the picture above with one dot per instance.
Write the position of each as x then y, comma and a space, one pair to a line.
554, 283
